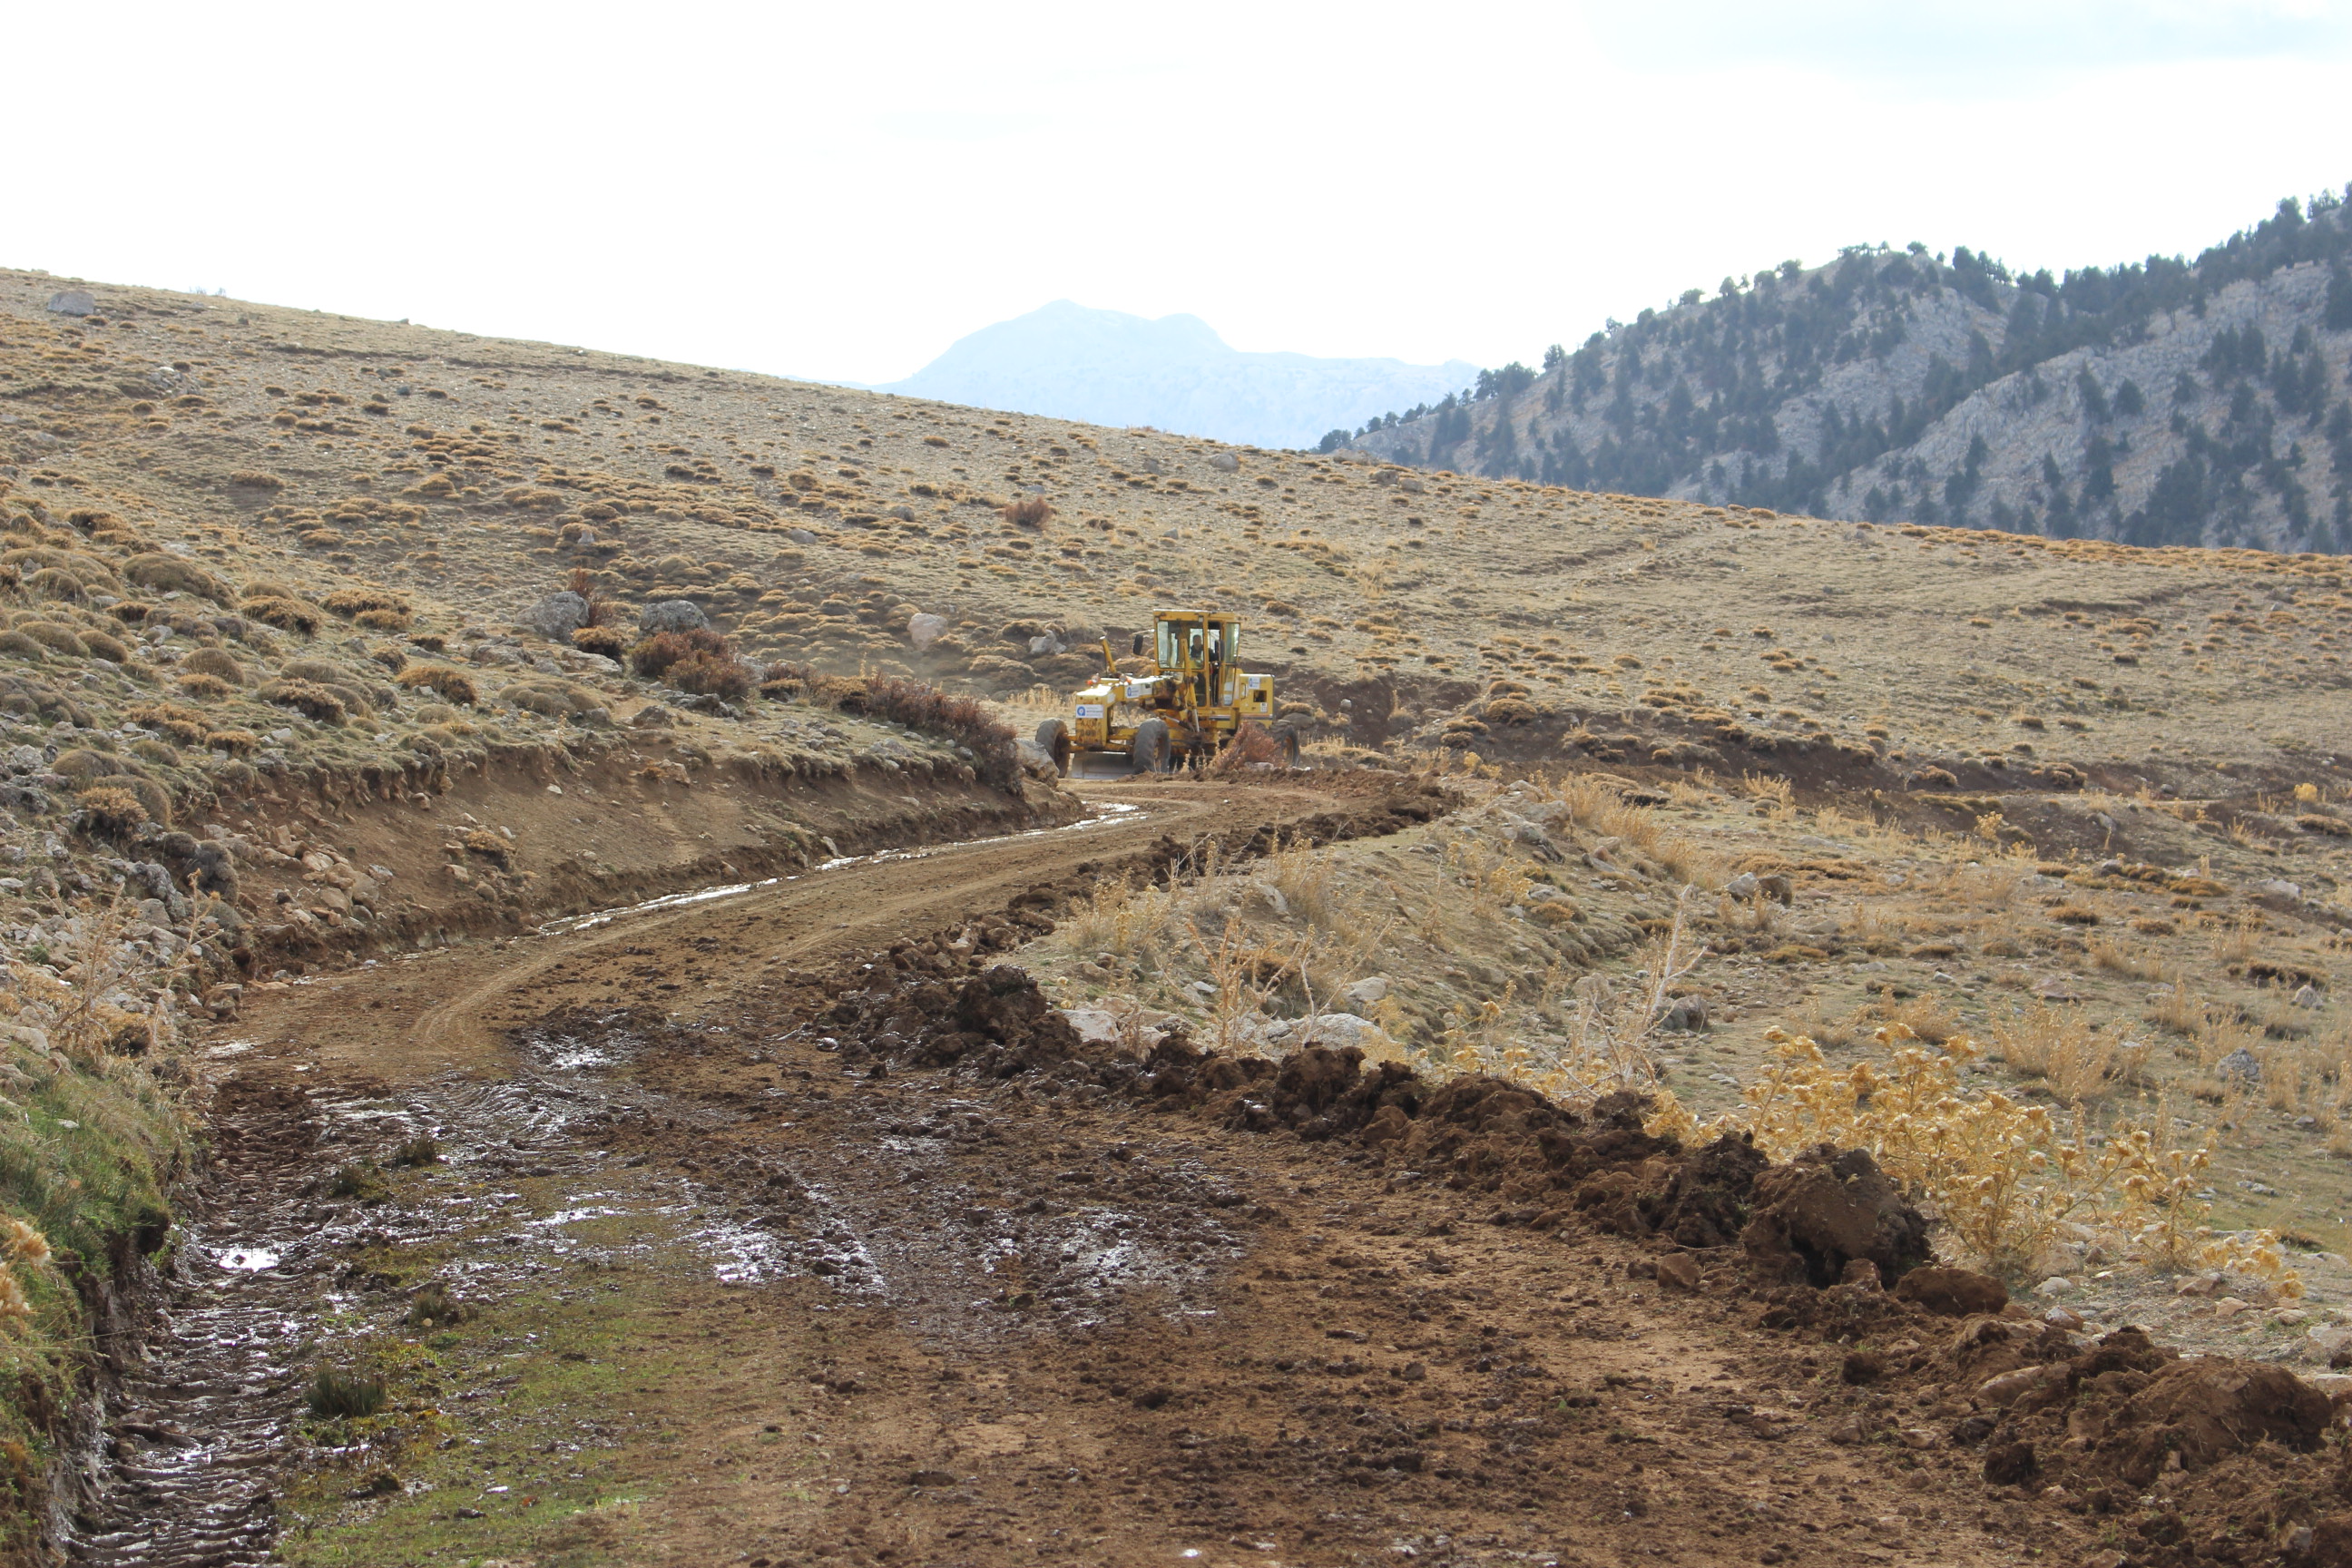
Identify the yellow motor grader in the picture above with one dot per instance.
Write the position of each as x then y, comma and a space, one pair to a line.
1184, 708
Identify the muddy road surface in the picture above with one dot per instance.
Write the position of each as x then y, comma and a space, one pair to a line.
644, 1263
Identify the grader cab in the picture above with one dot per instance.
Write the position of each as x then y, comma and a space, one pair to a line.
1182, 706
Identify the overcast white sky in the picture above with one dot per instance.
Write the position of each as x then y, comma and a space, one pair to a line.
840, 191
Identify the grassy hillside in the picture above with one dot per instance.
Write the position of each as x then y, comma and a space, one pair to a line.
2164, 402
474, 477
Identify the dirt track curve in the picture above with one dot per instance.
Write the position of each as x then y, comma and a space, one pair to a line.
687, 1284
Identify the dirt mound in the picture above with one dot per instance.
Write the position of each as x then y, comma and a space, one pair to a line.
2194, 1413
1829, 1208
993, 1024
1952, 1292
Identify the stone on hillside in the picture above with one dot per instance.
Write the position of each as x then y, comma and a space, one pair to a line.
672, 615
799, 536
556, 616
73, 302
1742, 886
1096, 1026
2239, 1067
924, 629
1223, 462
652, 716
1684, 1016
1336, 1030
1367, 993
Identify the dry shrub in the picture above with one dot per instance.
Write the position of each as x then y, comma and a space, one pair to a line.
306, 697
2176, 1009
236, 742
57, 638
550, 698
2009, 1181
2063, 1048
205, 687
961, 719
256, 480
214, 662
1029, 511
110, 811
285, 615
604, 641
349, 601
450, 685
2117, 958
1251, 746
1117, 919
1598, 806
1604, 1045
1927, 1018
185, 725
706, 674
489, 845
165, 574
653, 657
601, 607
16, 645
384, 619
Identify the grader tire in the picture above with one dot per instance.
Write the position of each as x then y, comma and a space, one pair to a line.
1053, 739
1150, 748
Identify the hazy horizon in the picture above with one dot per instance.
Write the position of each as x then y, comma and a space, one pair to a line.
1386, 190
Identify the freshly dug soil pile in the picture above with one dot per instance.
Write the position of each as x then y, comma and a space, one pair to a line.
2119, 1426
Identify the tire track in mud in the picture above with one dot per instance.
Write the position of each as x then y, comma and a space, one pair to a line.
188, 1445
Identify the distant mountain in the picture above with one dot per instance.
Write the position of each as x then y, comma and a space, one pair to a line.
2164, 402
1106, 367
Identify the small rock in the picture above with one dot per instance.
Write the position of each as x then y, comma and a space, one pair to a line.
1742, 886
2239, 1067
2229, 1307
1224, 462
73, 302
2062, 1318
2308, 996
1096, 1026
652, 716
1366, 993
1337, 1030
931, 1478
672, 615
924, 629
1678, 1271
2057, 1285
2273, 888
1685, 1014
799, 536
2055, 989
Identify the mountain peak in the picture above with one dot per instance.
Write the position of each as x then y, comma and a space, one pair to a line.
1068, 361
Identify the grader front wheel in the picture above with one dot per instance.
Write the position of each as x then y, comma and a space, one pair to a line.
1053, 739
1151, 746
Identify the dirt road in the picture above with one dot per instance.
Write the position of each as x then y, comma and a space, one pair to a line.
676, 1279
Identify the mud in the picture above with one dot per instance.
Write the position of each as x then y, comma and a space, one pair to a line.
793, 1226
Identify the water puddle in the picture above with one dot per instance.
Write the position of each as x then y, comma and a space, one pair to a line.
1106, 814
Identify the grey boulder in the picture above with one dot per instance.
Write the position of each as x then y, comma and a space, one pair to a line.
556, 616
672, 615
